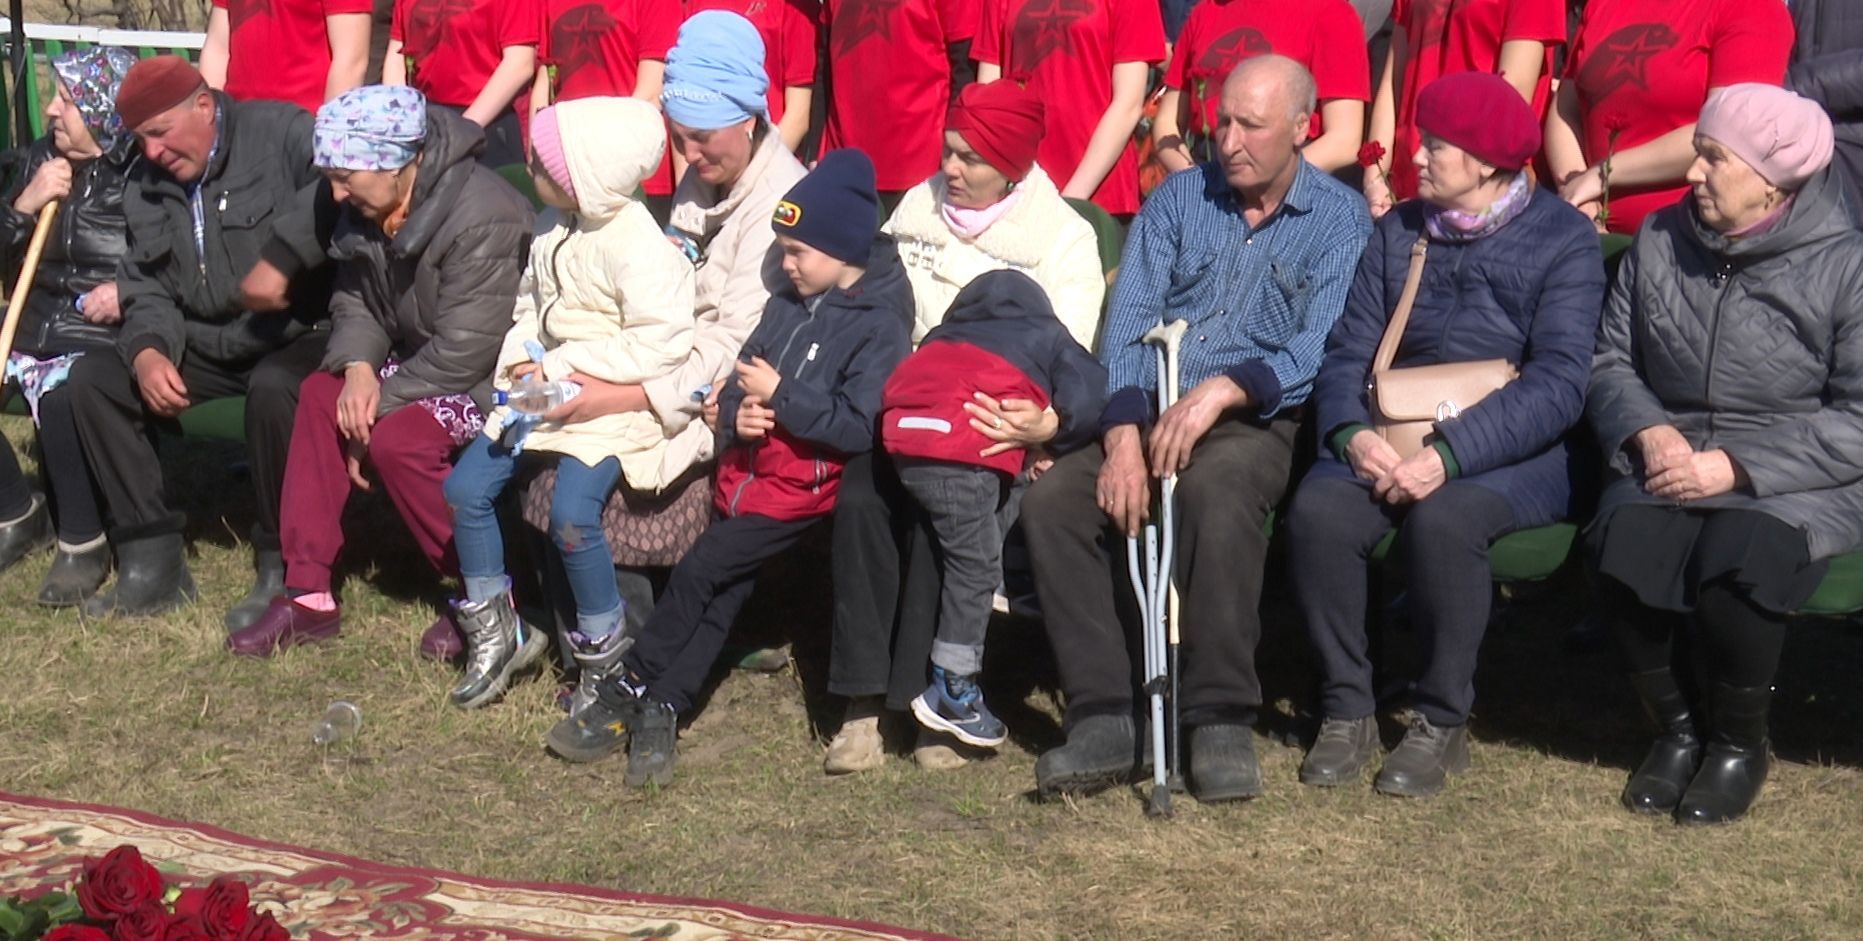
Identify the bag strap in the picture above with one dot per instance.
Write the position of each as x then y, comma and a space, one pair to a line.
1400, 318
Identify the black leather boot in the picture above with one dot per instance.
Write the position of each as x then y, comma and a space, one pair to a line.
151, 577
27, 534
1657, 784
75, 575
268, 566
1738, 756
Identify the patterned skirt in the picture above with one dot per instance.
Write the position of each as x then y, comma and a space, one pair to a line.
643, 529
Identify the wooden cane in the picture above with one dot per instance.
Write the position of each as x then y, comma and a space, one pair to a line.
17, 302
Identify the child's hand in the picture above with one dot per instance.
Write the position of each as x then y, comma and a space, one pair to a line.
710, 412
1038, 465
754, 422
518, 371
758, 378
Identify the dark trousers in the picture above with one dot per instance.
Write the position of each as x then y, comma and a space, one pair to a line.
67, 475
117, 431
707, 589
1236, 474
885, 606
1332, 528
410, 453
1740, 642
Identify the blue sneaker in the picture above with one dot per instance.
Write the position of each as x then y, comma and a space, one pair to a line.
953, 704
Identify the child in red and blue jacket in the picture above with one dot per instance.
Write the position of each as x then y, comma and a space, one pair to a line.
806, 397
1001, 339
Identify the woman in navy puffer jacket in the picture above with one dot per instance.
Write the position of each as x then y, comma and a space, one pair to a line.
1512, 273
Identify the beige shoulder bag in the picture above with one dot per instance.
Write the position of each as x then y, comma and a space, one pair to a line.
1407, 403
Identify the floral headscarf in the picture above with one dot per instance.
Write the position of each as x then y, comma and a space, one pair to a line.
92, 76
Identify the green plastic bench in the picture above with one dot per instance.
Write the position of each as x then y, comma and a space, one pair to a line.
1106, 231
219, 419
1841, 591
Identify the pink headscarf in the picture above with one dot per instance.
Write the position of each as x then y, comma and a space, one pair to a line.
1785, 138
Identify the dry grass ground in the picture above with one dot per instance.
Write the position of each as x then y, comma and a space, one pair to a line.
1530, 844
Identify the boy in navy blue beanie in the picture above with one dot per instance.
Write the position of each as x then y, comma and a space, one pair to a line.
805, 398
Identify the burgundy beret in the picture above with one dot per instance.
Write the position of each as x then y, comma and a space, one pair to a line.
155, 85
1482, 114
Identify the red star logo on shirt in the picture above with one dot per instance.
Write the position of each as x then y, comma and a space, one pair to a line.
432, 20
1229, 49
860, 20
1044, 28
1623, 58
576, 38
239, 11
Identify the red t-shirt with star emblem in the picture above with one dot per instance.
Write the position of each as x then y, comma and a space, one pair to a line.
788, 28
594, 48
1644, 68
455, 45
892, 83
1065, 50
1448, 37
1326, 36
279, 50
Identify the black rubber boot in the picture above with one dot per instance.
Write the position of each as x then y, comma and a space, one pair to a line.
1738, 756
151, 577
1656, 786
268, 566
75, 576
1098, 754
26, 535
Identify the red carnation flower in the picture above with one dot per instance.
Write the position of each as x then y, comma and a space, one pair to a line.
118, 884
1370, 154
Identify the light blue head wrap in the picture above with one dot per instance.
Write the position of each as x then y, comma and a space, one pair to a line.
714, 73
375, 127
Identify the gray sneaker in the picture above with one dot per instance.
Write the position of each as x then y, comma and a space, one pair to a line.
498, 645
596, 660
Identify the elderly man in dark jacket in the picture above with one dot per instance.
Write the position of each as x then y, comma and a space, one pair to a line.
220, 298
429, 250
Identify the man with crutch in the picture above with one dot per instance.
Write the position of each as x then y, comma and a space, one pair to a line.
1255, 253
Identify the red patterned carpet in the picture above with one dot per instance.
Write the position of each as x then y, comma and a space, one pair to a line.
324, 896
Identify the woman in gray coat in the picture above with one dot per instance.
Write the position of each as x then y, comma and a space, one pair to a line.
1727, 393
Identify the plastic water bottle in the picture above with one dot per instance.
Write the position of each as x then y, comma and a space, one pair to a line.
531, 397
342, 720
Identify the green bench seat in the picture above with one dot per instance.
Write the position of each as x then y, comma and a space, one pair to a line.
219, 419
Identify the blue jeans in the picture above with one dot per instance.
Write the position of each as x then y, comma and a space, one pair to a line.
480, 475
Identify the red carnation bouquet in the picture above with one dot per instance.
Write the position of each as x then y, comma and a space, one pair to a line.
120, 897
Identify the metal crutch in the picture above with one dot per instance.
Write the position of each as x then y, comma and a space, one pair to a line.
1157, 594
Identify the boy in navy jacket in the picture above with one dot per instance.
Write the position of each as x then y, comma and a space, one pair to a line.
1000, 339
806, 396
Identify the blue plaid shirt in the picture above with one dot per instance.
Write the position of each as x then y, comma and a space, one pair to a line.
1260, 300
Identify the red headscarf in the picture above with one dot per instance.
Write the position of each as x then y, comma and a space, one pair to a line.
1002, 122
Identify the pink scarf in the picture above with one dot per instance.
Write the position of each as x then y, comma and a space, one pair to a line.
970, 223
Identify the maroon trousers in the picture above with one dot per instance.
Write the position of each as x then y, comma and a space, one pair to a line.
411, 455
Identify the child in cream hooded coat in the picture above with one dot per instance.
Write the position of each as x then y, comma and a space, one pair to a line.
607, 297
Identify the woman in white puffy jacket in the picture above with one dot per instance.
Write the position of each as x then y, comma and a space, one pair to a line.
606, 298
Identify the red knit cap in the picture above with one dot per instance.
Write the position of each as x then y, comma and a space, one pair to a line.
155, 85
1482, 114
1002, 122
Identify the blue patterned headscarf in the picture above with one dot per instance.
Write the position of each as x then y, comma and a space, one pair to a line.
92, 77
375, 127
